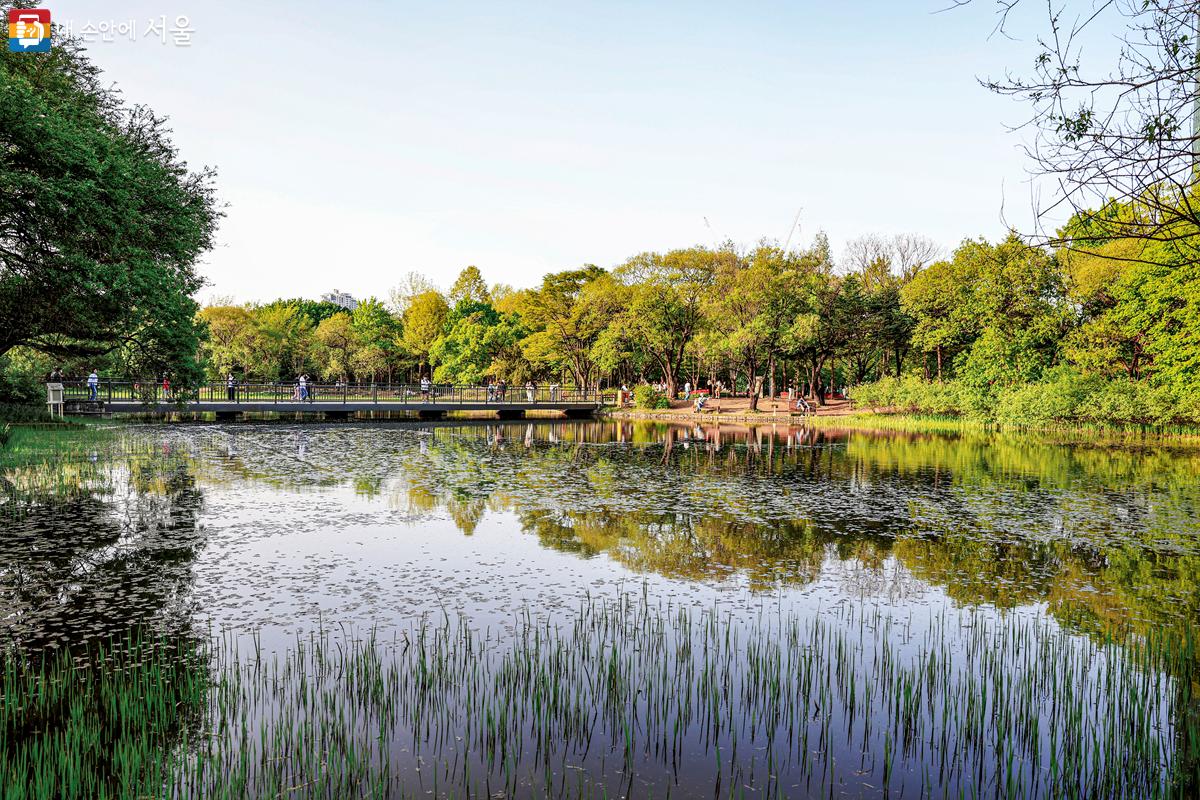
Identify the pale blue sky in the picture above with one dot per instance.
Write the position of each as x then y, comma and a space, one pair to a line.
357, 141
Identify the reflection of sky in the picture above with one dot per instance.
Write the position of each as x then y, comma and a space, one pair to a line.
321, 521
346, 528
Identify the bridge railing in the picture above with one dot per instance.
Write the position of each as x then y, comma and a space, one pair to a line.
327, 393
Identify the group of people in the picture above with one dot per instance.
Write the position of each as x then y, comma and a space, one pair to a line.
497, 390
303, 391
92, 382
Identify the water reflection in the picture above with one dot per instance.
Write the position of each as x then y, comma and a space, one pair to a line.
106, 548
297, 525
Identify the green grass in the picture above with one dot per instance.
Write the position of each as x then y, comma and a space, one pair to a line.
968, 706
947, 423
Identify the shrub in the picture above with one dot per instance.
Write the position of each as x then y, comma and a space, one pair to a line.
1062, 396
646, 396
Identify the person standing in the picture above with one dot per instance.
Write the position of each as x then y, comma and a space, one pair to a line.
302, 387
425, 387
166, 387
687, 390
93, 384
231, 388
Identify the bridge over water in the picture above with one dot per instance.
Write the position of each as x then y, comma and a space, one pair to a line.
333, 400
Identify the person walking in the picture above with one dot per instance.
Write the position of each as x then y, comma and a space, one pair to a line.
231, 388
687, 390
502, 388
425, 386
93, 384
166, 387
301, 387
554, 393
528, 391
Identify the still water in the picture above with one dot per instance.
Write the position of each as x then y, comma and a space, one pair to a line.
776, 548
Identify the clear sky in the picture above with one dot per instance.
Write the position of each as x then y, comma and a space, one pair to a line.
356, 141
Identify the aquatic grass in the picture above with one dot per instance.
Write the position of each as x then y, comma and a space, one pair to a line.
622, 693
98, 723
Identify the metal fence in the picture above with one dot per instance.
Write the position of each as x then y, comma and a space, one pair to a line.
327, 394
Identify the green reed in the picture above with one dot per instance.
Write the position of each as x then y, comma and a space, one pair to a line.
677, 698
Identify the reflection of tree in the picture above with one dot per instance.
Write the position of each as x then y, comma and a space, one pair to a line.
96, 561
1106, 537
703, 547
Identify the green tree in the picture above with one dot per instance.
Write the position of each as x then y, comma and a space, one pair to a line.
337, 346
317, 311
280, 343
479, 342
665, 312
1016, 293
101, 221
229, 329
567, 313
374, 327
424, 320
469, 287
938, 301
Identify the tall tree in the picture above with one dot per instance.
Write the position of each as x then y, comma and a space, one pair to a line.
567, 313
337, 345
665, 309
379, 332
101, 221
424, 320
229, 328
469, 287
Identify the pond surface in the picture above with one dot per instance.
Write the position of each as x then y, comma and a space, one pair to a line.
263, 534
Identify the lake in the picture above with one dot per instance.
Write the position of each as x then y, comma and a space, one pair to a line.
619, 609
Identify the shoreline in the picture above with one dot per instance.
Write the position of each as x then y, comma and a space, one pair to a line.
904, 423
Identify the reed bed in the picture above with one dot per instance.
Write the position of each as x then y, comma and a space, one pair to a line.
622, 697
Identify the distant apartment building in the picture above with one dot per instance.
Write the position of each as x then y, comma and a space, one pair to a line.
342, 299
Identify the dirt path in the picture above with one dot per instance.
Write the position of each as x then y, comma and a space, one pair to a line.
734, 406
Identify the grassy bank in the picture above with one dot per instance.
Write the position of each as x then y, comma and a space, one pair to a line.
910, 422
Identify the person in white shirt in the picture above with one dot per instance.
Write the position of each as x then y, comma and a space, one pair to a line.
93, 384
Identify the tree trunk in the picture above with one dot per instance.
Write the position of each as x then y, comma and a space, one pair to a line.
755, 389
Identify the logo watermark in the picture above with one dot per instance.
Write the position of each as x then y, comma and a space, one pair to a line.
29, 30
177, 31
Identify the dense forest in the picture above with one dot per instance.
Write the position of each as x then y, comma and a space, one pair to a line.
1101, 328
